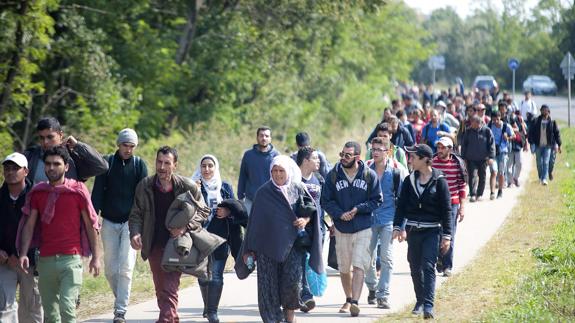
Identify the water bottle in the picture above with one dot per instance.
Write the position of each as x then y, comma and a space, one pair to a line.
250, 262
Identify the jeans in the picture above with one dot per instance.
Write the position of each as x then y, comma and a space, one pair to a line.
476, 188
422, 252
542, 156
60, 279
216, 272
8, 305
119, 262
305, 293
166, 285
447, 259
513, 166
552, 161
380, 235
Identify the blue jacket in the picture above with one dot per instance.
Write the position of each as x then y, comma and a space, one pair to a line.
384, 214
254, 171
339, 195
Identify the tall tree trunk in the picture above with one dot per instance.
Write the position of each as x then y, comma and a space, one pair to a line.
14, 65
189, 32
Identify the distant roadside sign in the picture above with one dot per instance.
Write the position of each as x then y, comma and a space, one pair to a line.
436, 62
513, 64
568, 66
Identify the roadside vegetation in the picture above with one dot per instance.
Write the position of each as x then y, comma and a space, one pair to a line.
526, 272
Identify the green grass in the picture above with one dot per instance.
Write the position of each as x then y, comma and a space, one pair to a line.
526, 273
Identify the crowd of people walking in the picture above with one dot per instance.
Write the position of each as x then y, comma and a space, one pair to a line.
425, 160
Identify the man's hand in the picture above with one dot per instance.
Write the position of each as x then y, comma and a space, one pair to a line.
71, 142
3, 256
445, 244
558, 149
176, 232
136, 242
490, 161
399, 235
95, 266
331, 230
222, 213
353, 211
300, 223
24, 263
460, 214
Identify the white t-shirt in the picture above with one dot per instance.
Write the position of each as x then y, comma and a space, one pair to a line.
528, 106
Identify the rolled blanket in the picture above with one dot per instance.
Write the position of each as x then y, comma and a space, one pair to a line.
183, 244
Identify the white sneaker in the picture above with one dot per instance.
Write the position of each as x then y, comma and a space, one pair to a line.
544, 182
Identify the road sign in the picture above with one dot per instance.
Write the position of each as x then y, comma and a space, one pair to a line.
513, 64
568, 66
436, 62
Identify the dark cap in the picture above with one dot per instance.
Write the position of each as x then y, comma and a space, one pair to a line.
421, 150
302, 139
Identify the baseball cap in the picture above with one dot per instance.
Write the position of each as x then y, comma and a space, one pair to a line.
441, 104
302, 139
18, 159
445, 141
421, 150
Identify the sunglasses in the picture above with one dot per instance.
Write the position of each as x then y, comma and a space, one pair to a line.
347, 155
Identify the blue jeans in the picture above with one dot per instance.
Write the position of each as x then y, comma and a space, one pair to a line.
422, 252
119, 262
380, 235
542, 156
8, 304
217, 272
447, 259
305, 293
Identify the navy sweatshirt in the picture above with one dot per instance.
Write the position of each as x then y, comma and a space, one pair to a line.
254, 171
342, 196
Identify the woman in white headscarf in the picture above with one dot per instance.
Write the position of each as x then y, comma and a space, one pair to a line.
278, 214
225, 220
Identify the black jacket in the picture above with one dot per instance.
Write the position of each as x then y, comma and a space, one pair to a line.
85, 162
478, 144
432, 207
10, 214
113, 191
228, 228
402, 137
553, 135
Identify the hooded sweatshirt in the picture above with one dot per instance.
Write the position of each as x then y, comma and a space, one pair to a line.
339, 196
254, 171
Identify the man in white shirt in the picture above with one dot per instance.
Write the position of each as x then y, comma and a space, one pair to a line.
528, 108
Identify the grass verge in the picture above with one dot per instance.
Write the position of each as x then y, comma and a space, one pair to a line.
527, 274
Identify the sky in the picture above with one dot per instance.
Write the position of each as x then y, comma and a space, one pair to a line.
462, 7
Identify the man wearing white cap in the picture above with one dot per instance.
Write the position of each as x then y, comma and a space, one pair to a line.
12, 196
113, 196
455, 171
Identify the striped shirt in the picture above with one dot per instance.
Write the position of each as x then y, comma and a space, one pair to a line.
454, 176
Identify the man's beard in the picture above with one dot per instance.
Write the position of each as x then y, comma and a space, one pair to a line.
349, 165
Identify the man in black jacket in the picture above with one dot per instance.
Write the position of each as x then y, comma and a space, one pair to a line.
544, 137
478, 151
85, 161
423, 218
113, 196
12, 196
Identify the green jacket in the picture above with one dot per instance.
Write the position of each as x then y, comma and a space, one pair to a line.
142, 218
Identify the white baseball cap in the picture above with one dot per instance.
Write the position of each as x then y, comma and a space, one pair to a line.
18, 159
445, 141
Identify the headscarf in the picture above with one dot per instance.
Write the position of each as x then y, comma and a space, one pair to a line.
292, 170
212, 186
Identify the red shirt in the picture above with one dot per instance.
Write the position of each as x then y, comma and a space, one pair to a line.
62, 235
454, 176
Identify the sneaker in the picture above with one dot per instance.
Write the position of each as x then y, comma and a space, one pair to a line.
550, 176
417, 309
119, 318
492, 196
354, 309
544, 182
516, 182
472, 199
371, 297
382, 303
345, 308
428, 316
308, 305
447, 273
499, 194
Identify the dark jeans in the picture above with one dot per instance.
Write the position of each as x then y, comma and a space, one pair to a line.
166, 285
447, 259
476, 189
216, 272
422, 252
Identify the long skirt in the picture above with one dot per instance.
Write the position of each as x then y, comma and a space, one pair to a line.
279, 285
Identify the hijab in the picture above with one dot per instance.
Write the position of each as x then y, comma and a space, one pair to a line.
212, 186
293, 173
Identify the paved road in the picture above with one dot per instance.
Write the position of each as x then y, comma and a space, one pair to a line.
557, 104
239, 300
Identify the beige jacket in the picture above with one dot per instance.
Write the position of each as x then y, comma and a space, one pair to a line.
142, 218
